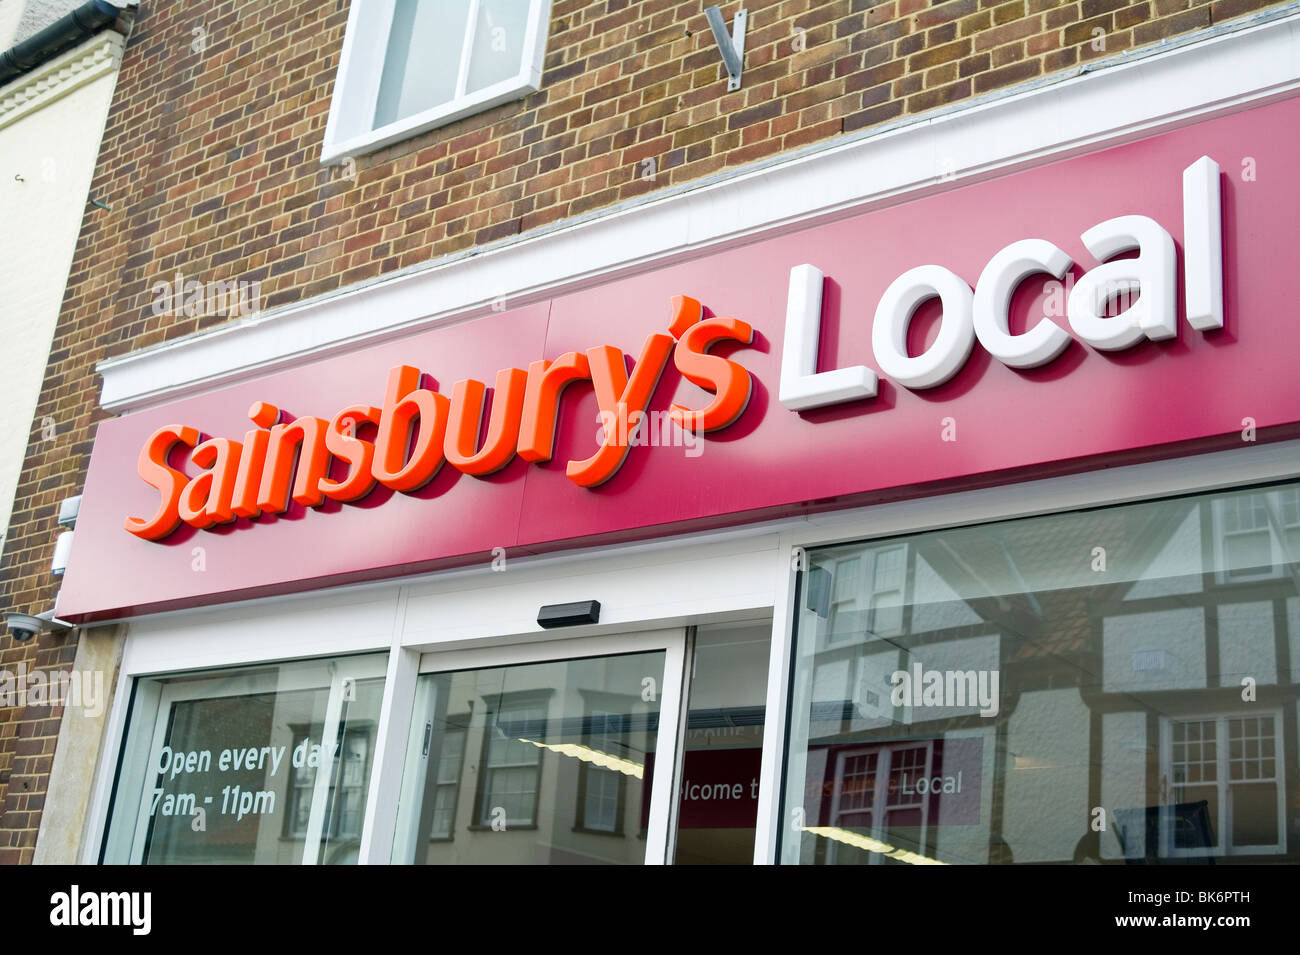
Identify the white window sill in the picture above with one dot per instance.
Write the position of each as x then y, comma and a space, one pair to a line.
336, 152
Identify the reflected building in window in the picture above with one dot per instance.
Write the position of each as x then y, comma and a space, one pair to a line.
536, 763
1145, 704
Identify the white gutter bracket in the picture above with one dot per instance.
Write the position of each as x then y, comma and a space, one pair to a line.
731, 46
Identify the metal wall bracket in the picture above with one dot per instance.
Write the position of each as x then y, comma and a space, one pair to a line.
732, 46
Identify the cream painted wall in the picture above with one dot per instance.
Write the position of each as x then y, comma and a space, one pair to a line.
11, 12
47, 158
81, 746
38, 14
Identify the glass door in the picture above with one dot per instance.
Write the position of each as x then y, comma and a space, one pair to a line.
554, 753
722, 755
259, 764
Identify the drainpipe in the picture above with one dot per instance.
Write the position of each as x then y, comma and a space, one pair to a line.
63, 34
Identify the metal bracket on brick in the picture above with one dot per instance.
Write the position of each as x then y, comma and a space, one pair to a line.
732, 46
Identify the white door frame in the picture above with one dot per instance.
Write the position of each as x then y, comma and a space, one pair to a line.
672, 641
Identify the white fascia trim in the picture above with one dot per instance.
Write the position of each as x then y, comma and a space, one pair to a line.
66, 73
1112, 102
665, 551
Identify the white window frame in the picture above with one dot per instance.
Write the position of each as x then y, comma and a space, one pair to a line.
603, 777
855, 591
454, 785
1223, 783
487, 769
350, 130
337, 788
880, 807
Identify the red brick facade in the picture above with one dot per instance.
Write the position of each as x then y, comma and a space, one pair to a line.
209, 166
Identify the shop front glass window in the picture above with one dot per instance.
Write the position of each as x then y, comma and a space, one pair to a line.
1108, 686
263, 764
717, 804
532, 763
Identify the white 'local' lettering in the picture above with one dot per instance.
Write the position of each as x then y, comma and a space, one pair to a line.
932, 784
981, 314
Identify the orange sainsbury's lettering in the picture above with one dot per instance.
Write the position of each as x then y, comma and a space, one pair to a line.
623, 400
546, 383
405, 403
252, 460
727, 379
417, 429
503, 424
306, 436
358, 454
686, 312
156, 472
206, 500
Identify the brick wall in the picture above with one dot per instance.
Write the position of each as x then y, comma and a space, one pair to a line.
209, 168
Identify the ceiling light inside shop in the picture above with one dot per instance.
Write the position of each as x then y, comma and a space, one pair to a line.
589, 755
871, 845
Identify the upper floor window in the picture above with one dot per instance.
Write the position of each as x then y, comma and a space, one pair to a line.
450, 759
512, 763
410, 66
868, 595
1259, 535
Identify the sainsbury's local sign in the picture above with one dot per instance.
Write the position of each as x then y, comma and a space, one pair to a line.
418, 429
1126, 304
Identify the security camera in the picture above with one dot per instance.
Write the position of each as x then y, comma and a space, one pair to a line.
24, 626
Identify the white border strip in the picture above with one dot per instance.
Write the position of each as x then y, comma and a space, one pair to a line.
1164, 89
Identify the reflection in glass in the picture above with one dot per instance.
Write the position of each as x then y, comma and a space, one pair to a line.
536, 763
498, 45
255, 765
435, 54
422, 64
1102, 686
718, 800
